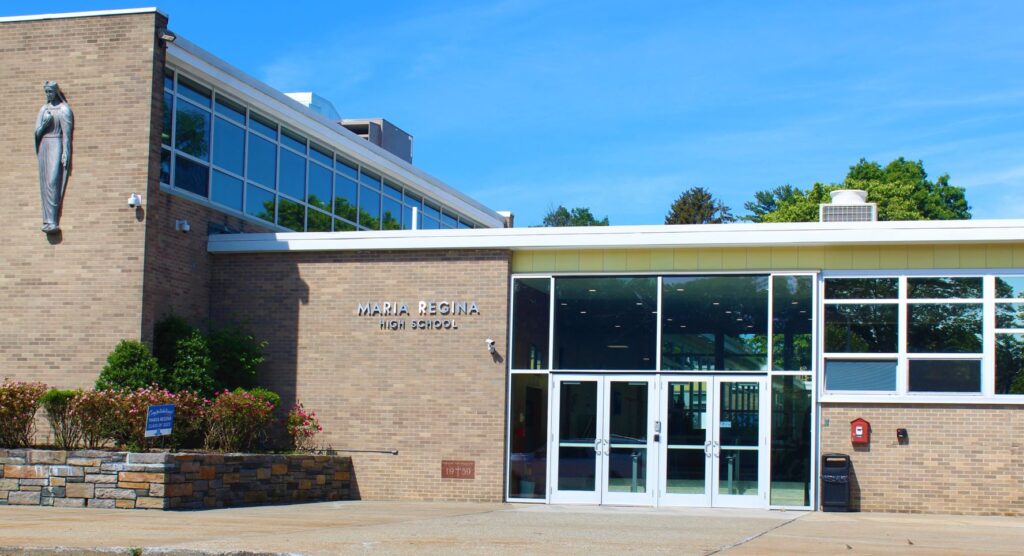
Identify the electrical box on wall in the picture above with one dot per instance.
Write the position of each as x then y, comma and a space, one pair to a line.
860, 432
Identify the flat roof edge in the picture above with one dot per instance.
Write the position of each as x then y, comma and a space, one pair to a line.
69, 15
631, 237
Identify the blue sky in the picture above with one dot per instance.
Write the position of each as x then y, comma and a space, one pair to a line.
621, 106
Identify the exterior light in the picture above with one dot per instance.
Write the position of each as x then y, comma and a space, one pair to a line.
134, 200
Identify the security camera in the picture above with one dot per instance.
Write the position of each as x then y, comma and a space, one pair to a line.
134, 200
182, 226
490, 345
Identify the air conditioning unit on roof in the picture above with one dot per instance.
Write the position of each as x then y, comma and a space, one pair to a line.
848, 205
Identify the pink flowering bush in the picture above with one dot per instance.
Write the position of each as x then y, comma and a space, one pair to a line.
18, 404
120, 416
303, 426
237, 421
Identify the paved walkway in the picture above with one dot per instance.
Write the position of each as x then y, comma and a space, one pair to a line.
446, 528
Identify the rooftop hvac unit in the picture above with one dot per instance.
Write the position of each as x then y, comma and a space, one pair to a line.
848, 205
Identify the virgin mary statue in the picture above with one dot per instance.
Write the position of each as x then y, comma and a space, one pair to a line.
54, 126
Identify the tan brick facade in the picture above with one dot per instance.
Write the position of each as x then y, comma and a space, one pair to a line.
959, 459
178, 267
65, 301
432, 395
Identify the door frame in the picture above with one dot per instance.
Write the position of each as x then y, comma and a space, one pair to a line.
602, 445
712, 445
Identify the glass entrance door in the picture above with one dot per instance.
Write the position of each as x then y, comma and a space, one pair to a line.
603, 439
715, 441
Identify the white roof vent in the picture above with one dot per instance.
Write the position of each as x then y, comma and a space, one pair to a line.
848, 205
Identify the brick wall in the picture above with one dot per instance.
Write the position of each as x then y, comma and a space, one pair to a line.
178, 267
432, 395
959, 459
65, 301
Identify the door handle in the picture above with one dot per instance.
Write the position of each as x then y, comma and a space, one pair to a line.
607, 448
597, 446
707, 449
716, 448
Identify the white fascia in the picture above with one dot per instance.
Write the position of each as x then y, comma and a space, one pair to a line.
636, 237
205, 67
68, 15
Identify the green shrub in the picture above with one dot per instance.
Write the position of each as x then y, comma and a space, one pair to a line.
59, 406
237, 354
166, 335
237, 421
192, 366
18, 404
130, 365
266, 395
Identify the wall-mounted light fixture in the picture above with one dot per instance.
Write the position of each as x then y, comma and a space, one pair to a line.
134, 201
182, 226
167, 36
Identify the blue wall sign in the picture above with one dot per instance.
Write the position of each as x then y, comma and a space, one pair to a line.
159, 420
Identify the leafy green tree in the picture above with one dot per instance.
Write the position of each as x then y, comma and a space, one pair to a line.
579, 216
768, 201
129, 366
697, 206
901, 190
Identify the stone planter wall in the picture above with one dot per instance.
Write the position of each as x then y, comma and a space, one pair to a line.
160, 481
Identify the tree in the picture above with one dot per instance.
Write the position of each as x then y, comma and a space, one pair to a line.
768, 201
901, 190
129, 366
579, 216
697, 206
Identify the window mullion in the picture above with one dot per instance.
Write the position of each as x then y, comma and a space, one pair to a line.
902, 365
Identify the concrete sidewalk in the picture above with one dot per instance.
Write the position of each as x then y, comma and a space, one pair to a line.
408, 527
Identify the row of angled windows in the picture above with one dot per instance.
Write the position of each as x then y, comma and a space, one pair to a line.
894, 334
218, 149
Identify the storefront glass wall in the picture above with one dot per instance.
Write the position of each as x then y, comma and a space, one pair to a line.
706, 324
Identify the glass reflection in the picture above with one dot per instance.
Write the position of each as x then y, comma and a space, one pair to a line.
943, 288
862, 288
687, 434
259, 203
577, 434
228, 146
192, 131
291, 215
1010, 364
531, 315
226, 190
714, 323
945, 375
627, 427
792, 322
293, 175
319, 194
317, 221
191, 176
605, 323
369, 208
944, 328
739, 422
1010, 315
861, 328
791, 441
262, 162
1009, 287
528, 437
345, 199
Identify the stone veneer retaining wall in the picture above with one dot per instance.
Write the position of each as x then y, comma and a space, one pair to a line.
161, 481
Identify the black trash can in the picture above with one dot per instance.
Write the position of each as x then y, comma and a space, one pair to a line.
835, 483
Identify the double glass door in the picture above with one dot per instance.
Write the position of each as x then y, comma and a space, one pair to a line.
603, 440
670, 440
